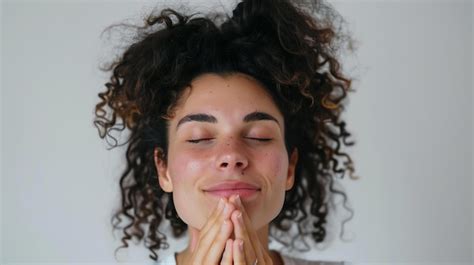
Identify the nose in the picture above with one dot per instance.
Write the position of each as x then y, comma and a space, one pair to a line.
231, 157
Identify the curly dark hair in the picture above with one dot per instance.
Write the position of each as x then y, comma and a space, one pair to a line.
291, 48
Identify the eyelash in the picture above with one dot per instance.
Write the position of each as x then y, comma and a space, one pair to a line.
195, 141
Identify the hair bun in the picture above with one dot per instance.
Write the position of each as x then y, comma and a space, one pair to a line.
249, 14
237, 12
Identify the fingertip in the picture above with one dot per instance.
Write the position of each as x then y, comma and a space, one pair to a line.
232, 198
237, 199
236, 215
230, 209
229, 243
227, 255
220, 205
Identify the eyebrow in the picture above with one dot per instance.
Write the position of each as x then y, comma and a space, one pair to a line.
202, 117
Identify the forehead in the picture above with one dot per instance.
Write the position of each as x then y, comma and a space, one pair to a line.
233, 95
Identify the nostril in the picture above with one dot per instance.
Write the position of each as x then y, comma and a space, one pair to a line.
239, 164
224, 164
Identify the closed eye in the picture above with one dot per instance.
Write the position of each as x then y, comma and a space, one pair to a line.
195, 141
260, 139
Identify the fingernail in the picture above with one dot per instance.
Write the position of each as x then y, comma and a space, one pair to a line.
226, 209
238, 200
241, 245
220, 204
239, 217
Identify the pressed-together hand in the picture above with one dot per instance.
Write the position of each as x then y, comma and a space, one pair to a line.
228, 238
208, 247
249, 249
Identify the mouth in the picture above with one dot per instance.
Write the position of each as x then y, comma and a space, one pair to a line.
227, 189
243, 193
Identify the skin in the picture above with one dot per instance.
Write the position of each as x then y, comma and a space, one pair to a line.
202, 153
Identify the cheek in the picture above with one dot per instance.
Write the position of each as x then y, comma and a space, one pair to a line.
186, 168
185, 171
276, 163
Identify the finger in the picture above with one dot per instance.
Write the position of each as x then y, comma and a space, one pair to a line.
240, 232
247, 222
213, 220
216, 248
238, 252
267, 259
210, 222
215, 237
227, 256
214, 215
243, 227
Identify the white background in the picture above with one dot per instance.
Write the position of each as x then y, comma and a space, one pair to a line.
411, 118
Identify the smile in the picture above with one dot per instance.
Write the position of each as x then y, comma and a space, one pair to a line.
227, 189
243, 193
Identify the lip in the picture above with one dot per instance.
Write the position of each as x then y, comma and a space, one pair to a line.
227, 189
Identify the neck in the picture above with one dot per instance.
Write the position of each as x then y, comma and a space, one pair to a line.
193, 235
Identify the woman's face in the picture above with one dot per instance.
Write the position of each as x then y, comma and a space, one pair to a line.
226, 136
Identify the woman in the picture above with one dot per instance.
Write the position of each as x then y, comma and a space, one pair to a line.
235, 131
